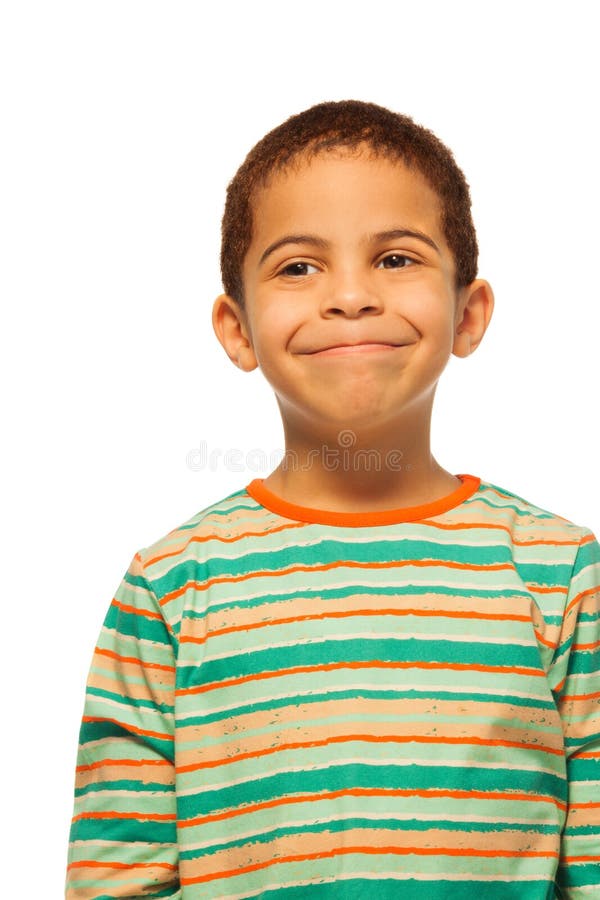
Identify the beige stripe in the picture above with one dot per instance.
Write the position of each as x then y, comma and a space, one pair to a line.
298, 844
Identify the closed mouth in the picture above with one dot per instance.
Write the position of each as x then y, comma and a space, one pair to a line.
365, 346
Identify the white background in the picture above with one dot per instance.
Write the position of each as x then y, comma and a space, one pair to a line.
122, 124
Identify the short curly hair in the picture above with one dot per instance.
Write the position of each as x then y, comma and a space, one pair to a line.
349, 124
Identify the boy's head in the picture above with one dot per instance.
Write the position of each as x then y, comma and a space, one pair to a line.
347, 124
349, 263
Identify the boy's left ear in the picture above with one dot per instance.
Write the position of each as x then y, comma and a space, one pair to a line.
474, 310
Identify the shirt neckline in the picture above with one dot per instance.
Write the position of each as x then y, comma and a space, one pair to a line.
271, 501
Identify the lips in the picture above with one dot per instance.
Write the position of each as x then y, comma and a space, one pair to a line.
366, 343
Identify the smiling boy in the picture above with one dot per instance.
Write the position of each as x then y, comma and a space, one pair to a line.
362, 676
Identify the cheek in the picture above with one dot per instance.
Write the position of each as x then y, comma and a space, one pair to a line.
271, 333
430, 312
276, 324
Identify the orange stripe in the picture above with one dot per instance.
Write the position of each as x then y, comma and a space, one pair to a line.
337, 851
370, 792
119, 814
374, 664
541, 589
128, 727
544, 641
369, 739
345, 614
146, 613
93, 863
572, 859
587, 593
593, 696
594, 645
132, 659
123, 762
496, 526
213, 536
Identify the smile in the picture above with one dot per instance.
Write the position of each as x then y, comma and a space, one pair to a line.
357, 348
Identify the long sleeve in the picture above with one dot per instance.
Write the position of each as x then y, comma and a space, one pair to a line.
577, 676
123, 839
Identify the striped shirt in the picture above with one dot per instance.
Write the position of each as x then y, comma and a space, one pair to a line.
287, 702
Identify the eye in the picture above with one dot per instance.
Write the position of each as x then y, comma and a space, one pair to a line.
298, 269
395, 261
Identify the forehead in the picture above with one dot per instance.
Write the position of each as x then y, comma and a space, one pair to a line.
345, 186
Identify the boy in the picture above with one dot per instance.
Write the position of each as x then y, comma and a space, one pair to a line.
362, 676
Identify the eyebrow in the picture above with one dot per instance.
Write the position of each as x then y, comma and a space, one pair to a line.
378, 237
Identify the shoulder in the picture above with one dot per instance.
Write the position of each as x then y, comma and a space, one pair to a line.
555, 557
524, 515
546, 548
219, 521
185, 556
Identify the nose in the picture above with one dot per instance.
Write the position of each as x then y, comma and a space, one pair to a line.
349, 294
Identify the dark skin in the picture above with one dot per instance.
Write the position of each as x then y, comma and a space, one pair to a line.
360, 260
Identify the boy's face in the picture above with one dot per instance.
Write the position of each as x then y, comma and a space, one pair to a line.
347, 250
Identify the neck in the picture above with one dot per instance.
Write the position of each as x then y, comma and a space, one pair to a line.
359, 468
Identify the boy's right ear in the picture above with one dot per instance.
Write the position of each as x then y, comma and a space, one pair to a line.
232, 329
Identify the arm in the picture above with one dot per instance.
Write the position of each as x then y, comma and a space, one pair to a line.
577, 665
123, 839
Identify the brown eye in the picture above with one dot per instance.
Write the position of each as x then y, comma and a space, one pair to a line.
298, 269
396, 261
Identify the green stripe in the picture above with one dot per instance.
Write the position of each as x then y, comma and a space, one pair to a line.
264, 787
332, 551
127, 830
410, 889
404, 650
95, 731
132, 625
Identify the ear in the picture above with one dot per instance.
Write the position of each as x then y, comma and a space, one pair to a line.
474, 310
231, 327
